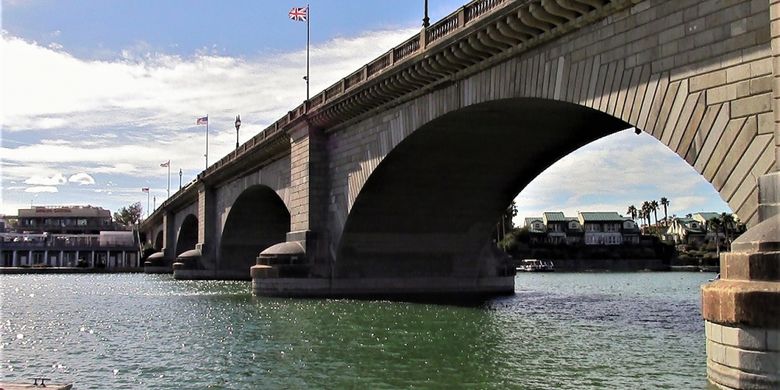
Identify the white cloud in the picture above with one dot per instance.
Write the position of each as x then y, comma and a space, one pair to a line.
40, 189
120, 117
82, 178
123, 117
54, 180
686, 204
52, 89
614, 172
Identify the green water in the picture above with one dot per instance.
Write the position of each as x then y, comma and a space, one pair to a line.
559, 331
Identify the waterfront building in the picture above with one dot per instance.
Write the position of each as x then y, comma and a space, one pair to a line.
696, 229
686, 231
705, 217
68, 236
589, 228
607, 228
65, 220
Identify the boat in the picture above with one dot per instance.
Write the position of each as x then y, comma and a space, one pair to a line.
35, 385
535, 265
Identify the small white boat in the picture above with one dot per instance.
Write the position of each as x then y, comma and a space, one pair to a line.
535, 265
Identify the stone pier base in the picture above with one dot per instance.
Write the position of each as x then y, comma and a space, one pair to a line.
743, 357
742, 312
157, 263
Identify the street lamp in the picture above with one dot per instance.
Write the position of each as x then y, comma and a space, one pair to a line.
238, 124
426, 21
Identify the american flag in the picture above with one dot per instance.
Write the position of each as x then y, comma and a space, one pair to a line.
299, 14
145, 189
202, 121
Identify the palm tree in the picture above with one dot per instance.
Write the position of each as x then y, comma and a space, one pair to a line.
646, 211
665, 203
654, 207
632, 211
727, 220
714, 225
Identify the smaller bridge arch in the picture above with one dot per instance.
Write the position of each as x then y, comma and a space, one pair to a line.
257, 220
159, 241
187, 236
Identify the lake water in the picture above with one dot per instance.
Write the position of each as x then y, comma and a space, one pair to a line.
559, 331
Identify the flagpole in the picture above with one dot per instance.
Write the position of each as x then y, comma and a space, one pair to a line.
169, 179
148, 211
308, 18
207, 142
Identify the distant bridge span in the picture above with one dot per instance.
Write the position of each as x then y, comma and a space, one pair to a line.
390, 180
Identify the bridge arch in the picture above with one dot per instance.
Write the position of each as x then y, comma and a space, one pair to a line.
159, 241
434, 198
187, 236
257, 219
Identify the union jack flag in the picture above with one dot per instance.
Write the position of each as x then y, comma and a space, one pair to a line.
202, 121
299, 14
145, 189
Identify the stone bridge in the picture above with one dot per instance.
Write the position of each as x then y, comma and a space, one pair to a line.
390, 181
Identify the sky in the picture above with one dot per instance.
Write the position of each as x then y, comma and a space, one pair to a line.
97, 94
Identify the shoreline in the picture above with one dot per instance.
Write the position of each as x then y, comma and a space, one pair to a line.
67, 270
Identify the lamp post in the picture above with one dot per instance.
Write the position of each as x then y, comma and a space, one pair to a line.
238, 124
426, 21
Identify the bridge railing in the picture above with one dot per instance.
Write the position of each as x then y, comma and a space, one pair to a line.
443, 28
477, 8
412, 46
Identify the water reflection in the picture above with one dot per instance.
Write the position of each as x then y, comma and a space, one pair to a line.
558, 331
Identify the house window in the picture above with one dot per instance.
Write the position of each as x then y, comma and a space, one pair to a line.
82, 222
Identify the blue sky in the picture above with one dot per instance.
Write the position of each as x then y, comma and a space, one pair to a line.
96, 94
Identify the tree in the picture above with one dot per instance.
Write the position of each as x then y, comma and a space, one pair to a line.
646, 211
714, 225
654, 207
665, 203
727, 222
632, 211
506, 224
129, 215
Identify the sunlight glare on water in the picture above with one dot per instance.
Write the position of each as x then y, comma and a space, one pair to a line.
559, 331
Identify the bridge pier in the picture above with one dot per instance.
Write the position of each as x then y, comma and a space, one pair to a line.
742, 309
282, 270
200, 263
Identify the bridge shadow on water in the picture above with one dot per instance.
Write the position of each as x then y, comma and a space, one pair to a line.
444, 299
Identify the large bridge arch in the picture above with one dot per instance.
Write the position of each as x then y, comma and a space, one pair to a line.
431, 203
257, 219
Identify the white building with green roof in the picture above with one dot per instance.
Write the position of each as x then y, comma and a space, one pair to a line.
607, 228
590, 228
